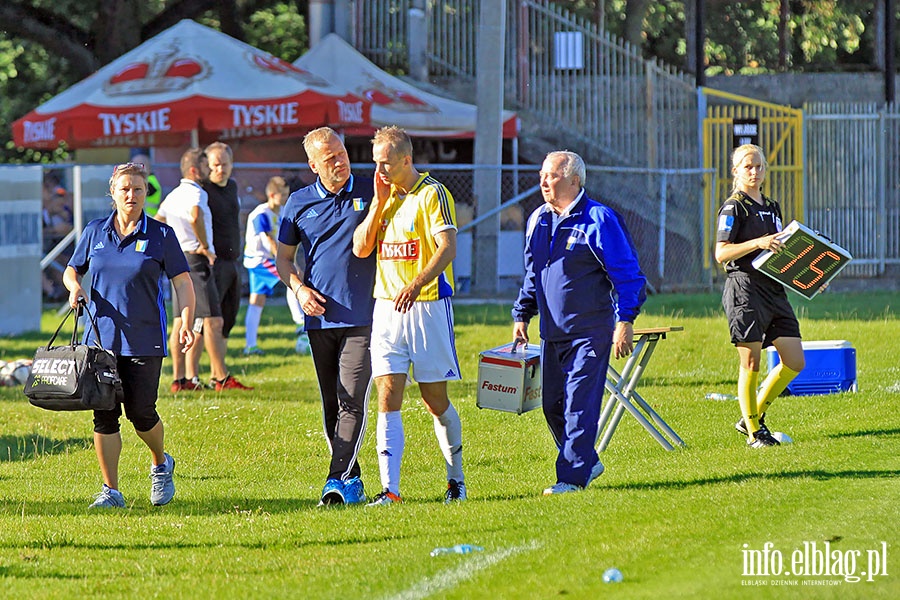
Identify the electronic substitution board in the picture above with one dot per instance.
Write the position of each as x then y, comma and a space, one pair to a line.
806, 263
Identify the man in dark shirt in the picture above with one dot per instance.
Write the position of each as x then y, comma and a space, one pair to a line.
225, 209
335, 292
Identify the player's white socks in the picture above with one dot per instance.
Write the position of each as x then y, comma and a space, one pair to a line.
296, 312
389, 442
448, 430
251, 324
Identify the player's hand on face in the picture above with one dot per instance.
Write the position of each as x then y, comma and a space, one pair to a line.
382, 188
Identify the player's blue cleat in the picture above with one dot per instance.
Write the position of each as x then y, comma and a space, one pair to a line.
332, 493
456, 491
354, 491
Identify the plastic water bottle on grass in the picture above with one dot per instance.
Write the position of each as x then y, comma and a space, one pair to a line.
457, 549
720, 397
612, 575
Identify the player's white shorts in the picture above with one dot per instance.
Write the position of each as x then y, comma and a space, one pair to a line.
423, 337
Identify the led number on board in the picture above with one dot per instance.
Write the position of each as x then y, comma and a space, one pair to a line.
806, 262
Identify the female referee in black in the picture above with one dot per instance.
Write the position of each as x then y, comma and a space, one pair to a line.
759, 314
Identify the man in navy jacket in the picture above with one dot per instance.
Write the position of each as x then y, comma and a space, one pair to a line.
583, 278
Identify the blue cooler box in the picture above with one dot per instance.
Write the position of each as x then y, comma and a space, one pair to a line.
830, 368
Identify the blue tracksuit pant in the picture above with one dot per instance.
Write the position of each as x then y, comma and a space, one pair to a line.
574, 379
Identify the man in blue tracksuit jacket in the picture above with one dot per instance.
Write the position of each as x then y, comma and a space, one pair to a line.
583, 278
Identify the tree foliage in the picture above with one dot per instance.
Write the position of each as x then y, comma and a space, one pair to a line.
48, 45
743, 36
821, 35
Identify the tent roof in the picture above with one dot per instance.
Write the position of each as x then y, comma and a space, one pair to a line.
394, 102
189, 77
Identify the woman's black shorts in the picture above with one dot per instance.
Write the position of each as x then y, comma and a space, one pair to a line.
757, 311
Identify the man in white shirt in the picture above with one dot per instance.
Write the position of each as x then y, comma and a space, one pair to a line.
186, 210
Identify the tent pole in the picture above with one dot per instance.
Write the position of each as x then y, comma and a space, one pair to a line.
515, 160
195, 138
488, 146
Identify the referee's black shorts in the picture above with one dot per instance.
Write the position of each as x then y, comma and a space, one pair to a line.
757, 310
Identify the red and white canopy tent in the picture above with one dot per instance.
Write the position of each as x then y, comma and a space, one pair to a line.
394, 102
187, 83
421, 114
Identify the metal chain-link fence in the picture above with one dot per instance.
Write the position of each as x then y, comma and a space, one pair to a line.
662, 208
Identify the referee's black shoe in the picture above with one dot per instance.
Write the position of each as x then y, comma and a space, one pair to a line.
762, 440
742, 427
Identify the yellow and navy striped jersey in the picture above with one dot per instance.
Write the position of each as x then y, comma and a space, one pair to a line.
405, 242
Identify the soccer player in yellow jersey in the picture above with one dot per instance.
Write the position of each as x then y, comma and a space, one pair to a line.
411, 225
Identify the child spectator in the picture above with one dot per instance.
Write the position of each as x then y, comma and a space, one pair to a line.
259, 257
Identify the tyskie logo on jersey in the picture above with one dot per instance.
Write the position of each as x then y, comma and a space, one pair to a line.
400, 250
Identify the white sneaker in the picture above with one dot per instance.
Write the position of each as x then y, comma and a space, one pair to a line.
596, 472
562, 488
108, 498
384, 498
162, 488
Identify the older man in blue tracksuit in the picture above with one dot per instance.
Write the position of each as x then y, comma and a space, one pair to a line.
582, 277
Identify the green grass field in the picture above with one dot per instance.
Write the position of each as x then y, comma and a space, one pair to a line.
250, 466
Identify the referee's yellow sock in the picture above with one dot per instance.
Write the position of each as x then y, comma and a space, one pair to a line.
747, 381
775, 382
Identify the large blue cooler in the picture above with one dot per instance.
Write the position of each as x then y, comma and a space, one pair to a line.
830, 368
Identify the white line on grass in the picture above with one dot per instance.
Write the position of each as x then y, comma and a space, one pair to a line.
452, 577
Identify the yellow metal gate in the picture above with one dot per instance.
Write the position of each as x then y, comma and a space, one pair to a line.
781, 138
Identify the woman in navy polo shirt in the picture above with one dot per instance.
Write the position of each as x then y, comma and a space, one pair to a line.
127, 253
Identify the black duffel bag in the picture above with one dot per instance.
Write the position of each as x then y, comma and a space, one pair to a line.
76, 376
